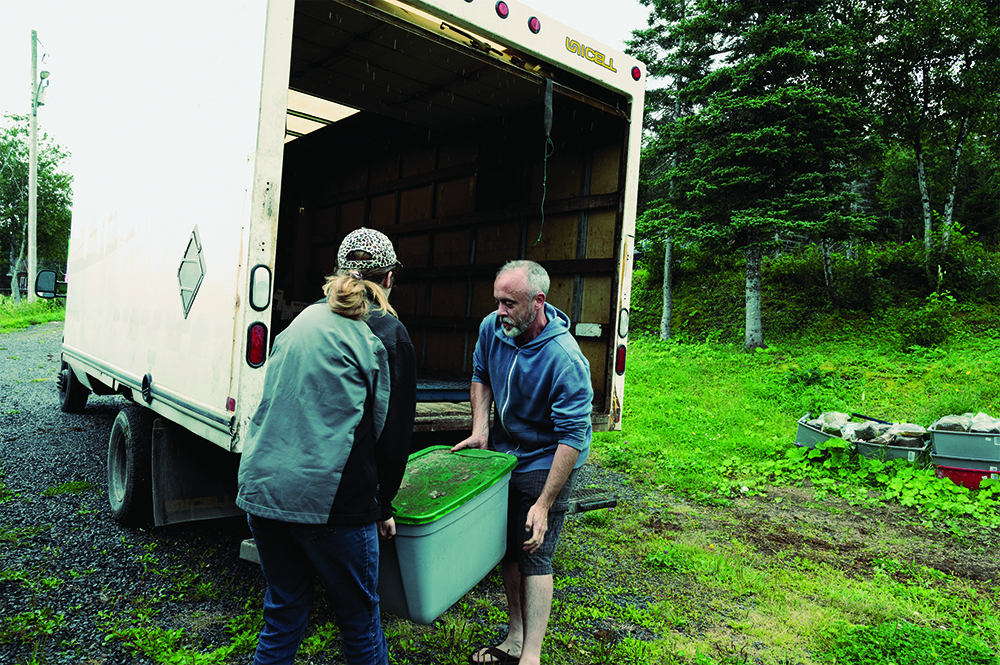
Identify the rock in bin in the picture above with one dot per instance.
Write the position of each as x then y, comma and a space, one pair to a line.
981, 423
904, 435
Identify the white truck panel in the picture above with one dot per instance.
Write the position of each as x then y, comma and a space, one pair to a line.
196, 113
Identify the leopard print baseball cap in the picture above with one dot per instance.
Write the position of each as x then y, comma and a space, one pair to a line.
375, 243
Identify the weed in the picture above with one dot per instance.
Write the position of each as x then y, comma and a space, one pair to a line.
18, 536
669, 559
74, 487
30, 626
456, 634
320, 641
5, 493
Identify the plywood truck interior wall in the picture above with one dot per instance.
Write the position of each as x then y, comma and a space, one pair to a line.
454, 171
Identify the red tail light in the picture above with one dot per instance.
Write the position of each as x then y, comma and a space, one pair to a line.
256, 344
636, 73
620, 360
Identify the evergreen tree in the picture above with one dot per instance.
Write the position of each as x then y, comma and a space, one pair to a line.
777, 135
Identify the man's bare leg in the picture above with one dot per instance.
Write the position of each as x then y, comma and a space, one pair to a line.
515, 612
537, 592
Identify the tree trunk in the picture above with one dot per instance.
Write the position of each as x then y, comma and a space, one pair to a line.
754, 328
15, 268
949, 206
925, 202
668, 279
831, 287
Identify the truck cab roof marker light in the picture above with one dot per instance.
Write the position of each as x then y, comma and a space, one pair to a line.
503, 11
256, 344
534, 25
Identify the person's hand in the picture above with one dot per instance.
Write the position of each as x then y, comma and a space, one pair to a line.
535, 527
386, 528
476, 442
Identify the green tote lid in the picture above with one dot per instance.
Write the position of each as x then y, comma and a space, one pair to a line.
437, 481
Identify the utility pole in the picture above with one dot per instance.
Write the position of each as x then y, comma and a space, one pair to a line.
33, 171
36, 90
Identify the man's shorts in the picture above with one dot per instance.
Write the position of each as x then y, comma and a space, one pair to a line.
525, 488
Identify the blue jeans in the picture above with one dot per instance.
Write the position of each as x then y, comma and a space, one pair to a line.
345, 558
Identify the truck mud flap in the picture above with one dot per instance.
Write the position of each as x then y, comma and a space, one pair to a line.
193, 479
590, 498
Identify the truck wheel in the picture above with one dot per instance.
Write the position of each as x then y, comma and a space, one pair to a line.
130, 487
72, 393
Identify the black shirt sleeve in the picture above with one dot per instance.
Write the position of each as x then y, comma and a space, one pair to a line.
393, 446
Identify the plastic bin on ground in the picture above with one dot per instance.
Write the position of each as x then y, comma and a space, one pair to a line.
970, 478
966, 463
807, 436
970, 445
878, 451
451, 530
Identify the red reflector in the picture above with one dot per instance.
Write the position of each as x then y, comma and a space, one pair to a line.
503, 11
256, 344
534, 25
230, 404
636, 73
620, 360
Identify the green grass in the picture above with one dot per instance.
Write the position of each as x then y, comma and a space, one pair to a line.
712, 423
15, 317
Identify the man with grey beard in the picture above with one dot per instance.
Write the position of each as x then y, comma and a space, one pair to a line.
529, 366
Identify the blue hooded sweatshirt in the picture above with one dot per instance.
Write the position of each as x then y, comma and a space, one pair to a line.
541, 391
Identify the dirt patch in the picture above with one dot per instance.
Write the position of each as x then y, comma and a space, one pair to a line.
857, 539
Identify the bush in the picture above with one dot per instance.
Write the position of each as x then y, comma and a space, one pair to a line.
930, 325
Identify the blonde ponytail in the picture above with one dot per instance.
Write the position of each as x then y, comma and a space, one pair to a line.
352, 296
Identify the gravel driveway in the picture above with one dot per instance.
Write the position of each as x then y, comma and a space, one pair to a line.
77, 587
69, 570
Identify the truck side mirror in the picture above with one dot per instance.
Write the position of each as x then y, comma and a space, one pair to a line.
46, 285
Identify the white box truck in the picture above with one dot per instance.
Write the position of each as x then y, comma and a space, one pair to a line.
245, 138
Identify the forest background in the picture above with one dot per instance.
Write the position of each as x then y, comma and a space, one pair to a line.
811, 160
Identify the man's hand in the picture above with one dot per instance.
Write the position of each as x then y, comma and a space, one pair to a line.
535, 527
481, 399
386, 528
475, 442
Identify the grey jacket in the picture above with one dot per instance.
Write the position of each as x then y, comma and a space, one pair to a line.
327, 380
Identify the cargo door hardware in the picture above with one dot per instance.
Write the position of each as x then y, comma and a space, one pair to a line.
191, 271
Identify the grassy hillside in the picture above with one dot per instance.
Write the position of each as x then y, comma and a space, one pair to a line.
885, 284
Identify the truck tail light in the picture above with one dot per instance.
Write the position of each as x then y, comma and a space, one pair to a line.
620, 360
256, 344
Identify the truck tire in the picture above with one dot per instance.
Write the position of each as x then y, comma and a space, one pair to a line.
72, 394
130, 486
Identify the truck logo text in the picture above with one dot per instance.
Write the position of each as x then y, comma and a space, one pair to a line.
597, 57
